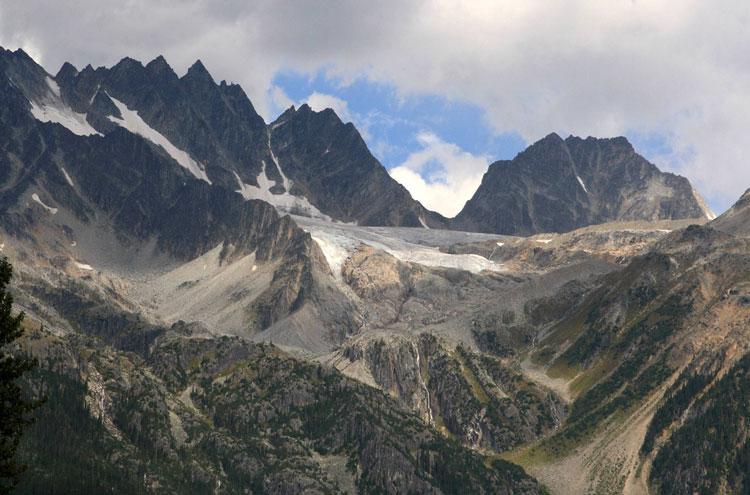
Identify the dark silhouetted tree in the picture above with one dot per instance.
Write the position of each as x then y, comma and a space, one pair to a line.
13, 408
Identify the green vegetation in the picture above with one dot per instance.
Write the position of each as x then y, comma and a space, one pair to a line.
468, 373
69, 449
676, 401
643, 360
710, 453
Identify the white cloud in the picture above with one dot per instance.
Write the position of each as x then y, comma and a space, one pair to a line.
321, 101
278, 100
441, 176
583, 67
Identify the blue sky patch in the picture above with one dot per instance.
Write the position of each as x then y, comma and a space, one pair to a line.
390, 122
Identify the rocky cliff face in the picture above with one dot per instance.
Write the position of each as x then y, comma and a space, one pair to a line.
480, 400
560, 185
127, 198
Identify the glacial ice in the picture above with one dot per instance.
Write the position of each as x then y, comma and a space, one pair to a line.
338, 241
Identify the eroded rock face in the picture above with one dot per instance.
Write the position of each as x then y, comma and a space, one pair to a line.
480, 400
559, 185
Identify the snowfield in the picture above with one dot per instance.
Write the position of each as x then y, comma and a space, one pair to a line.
52, 109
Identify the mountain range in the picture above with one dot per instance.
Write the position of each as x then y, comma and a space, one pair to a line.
220, 305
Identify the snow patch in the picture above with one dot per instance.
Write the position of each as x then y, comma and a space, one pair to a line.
53, 86
2, 246
424, 224
134, 123
58, 114
287, 182
580, 181
93, 97
52, 109
82, 266
545, 241
35, 197
284, 203
67, 177
500, 244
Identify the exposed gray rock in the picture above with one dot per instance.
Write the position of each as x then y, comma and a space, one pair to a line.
559, 185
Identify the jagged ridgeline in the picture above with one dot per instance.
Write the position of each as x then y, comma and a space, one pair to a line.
215, 134
221, 305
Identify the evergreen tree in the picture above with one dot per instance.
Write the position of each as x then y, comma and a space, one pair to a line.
13, 408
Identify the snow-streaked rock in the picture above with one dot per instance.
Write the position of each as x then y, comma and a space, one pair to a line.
134, 123
51, 108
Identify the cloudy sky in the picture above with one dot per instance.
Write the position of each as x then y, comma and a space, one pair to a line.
440, 89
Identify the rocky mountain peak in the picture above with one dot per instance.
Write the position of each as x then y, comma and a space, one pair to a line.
18, 54
127, 64
552, 138
286, 115
198, 72
558, 185
67, 70
548, 151
26, 76
330, 164
159, 66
